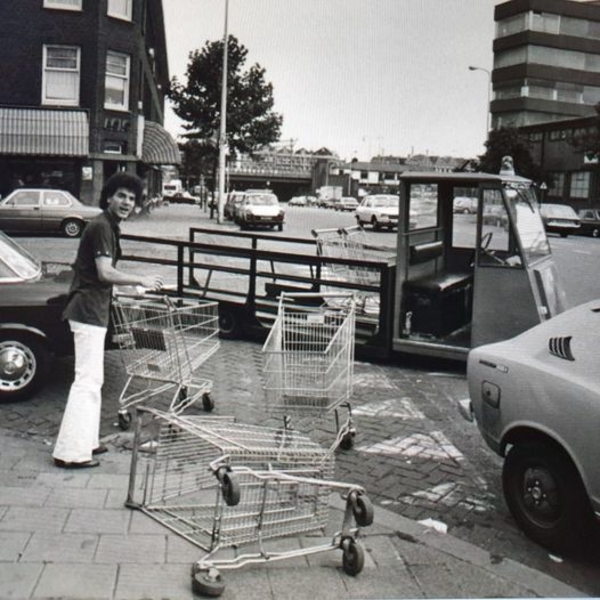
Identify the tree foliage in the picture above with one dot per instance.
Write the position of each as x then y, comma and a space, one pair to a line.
250, 118
509, 141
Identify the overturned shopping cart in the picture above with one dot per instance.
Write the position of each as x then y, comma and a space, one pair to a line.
308, 361
223, 485
163, 343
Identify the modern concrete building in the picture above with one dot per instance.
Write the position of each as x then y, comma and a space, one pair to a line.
546, 61
82, 94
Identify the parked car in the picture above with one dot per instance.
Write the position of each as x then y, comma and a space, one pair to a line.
298, 201
233, 201
465, 205
45, 210
378, 210
184, 197
32, 296
536, 400
590, 222
259, 209
559, 218
347, 203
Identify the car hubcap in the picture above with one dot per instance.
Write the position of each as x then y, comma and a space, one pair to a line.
17, 366
541, 496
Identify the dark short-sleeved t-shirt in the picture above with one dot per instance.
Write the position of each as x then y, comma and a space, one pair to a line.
89, 298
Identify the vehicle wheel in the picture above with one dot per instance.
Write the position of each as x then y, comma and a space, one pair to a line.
72, 228
208, 583
546, 496
207, 402
466, 211
24, 362
230, 490
375, 223
353, 559
347, 441
229, 325
280, 226
563, 234
124, 419
595, 232
364, 513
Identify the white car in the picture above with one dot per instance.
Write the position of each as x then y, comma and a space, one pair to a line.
378, 210
347, 203
536, 400
298, 201
259, 209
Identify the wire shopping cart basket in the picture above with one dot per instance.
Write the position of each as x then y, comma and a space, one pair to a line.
220, 485
308, 361
163, 343
352, 243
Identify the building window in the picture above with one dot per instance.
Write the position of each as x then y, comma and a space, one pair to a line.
121, 9
63, 4
60, 83
116, 94
580, 184
556, 184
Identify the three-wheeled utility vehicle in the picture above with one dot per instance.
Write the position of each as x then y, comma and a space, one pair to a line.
463, 280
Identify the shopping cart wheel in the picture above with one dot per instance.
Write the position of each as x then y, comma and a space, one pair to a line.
353, 558
208, 583
207, 402
230, 488
363, 510
347, 441
124, 420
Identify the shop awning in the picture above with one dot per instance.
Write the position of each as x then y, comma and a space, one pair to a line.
159, 147
49, 132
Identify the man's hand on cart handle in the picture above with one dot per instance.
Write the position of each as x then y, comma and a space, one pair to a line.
151, 283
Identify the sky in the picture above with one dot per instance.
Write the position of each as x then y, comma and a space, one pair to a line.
360, 77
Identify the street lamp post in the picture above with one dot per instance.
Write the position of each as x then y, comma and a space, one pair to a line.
488, 116
223, 128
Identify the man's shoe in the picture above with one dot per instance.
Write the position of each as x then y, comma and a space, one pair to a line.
101, 449
86, 464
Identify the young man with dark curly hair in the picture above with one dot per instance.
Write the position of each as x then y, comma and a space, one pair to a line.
88, 312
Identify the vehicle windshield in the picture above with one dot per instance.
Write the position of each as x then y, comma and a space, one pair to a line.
528, 221
16, 263
386, 201
262, 200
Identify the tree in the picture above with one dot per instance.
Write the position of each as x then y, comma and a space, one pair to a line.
509, 141
250, 118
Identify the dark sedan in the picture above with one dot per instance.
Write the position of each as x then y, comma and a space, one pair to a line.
32, 297
45, 210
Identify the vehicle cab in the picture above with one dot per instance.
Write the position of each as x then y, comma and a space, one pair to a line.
467, 279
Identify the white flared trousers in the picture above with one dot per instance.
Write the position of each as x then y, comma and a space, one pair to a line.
80, 428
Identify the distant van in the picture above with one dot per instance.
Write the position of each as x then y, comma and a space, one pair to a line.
172, 188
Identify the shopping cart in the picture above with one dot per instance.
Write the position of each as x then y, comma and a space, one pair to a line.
163, 343
308, 361
353, 243
220, 485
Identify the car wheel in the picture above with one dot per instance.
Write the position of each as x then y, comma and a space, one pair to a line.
23, 365
596, 232
229, 324
72, 228
563, 234
546, 496
375, 223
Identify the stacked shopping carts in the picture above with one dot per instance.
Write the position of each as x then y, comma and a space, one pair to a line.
220, 484
163, 344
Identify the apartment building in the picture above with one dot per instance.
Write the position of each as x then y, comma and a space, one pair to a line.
546, 61
82, 94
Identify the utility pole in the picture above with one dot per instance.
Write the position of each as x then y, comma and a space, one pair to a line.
223, 129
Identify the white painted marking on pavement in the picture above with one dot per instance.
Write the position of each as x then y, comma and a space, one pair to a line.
433, 446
